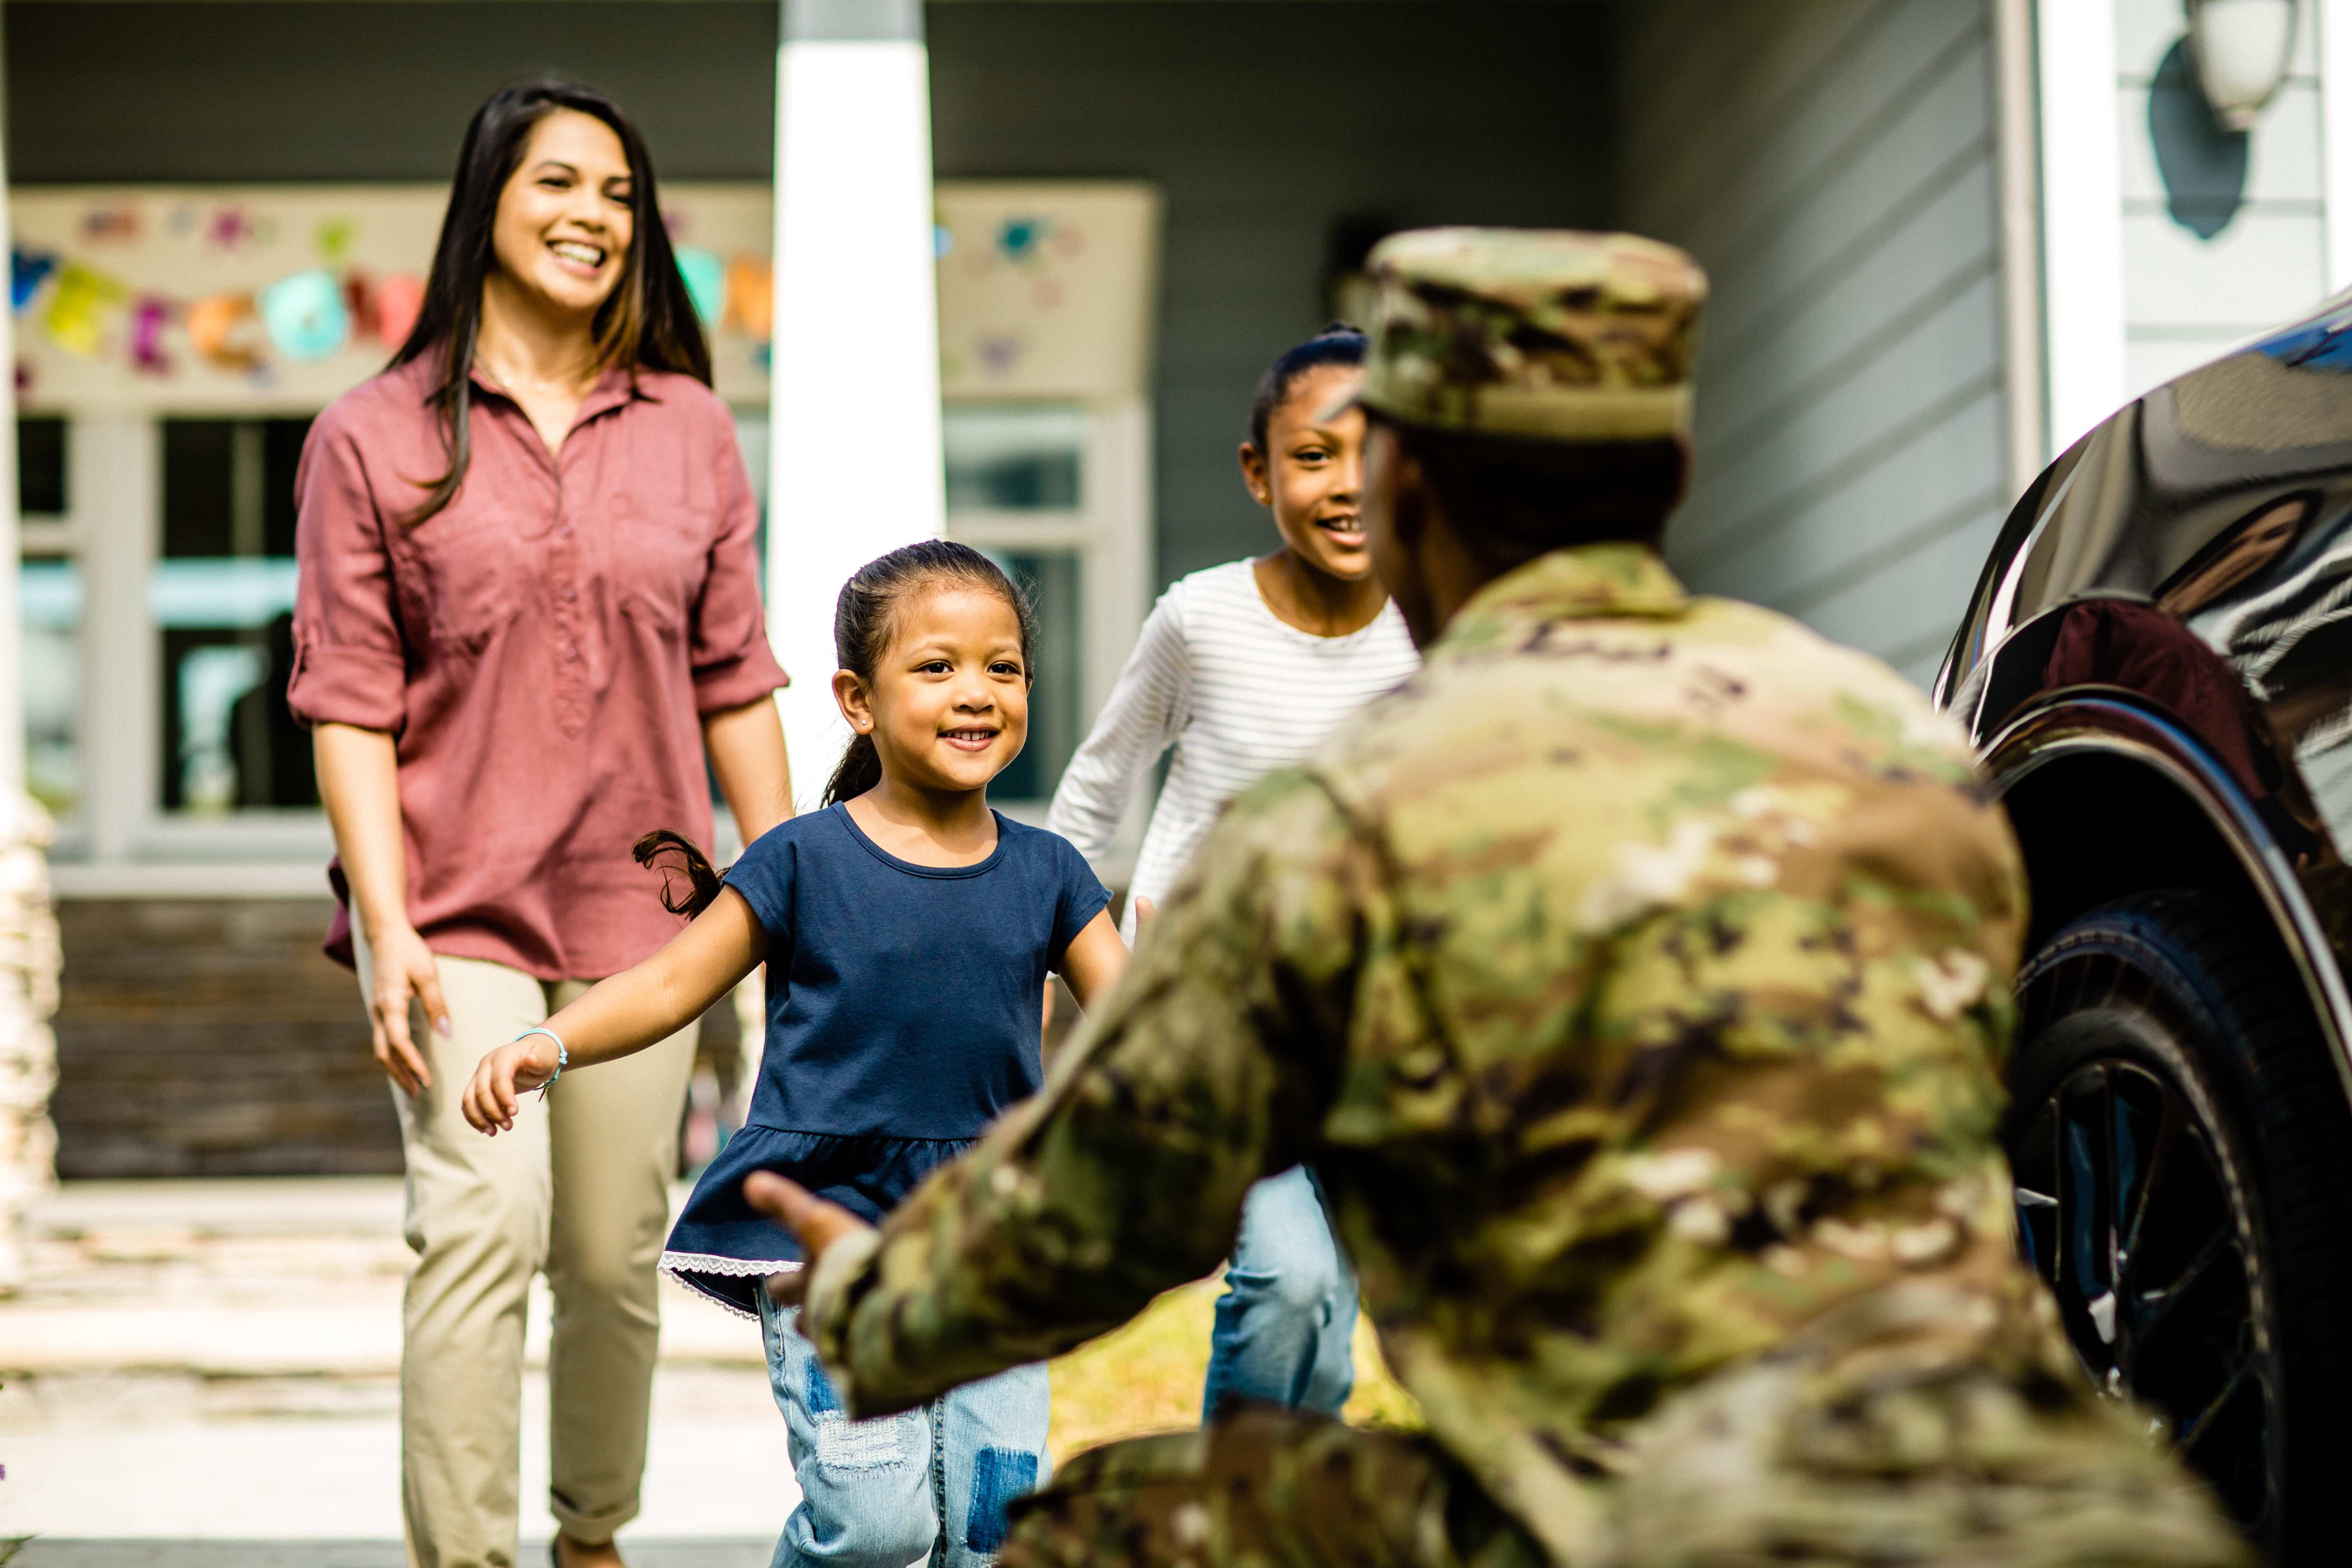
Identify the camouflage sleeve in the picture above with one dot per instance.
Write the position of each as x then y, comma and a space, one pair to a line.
1211, 1066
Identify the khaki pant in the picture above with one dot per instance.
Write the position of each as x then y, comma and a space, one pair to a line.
580, 1189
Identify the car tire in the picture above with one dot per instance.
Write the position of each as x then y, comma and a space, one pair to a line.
2183, 1156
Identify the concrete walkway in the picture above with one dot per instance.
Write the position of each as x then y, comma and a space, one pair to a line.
203, 1373
343, 1554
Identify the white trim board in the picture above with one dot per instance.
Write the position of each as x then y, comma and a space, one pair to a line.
2082, 217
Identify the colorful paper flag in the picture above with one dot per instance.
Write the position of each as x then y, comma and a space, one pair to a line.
28, 271
706, 280
399, 300
750, 297
223, 328
305, 315
77, 312
359, 299
115, 224
148, 318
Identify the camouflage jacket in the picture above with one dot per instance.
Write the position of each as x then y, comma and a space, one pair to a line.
1637, 979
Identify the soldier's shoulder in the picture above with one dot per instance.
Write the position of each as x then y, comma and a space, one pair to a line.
1721, 672
1826, 686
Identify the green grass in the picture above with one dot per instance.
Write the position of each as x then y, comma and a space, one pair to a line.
1146, 1377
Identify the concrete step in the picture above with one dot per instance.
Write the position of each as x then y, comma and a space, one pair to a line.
266, 1277
175, 1458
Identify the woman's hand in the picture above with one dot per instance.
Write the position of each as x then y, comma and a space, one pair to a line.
817, 1223
403, 967
359, 781
503, 1077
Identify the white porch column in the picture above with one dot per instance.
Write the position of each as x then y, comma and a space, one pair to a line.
2334, 19
28, 929
854, 386
2082, 216
2025, 433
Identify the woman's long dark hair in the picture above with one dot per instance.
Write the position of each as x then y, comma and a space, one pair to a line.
864, 618
648, 320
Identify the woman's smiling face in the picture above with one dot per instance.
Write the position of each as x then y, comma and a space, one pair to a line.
564, 222
949, 704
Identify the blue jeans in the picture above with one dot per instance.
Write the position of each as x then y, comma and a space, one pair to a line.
882, 1493
1289, 1307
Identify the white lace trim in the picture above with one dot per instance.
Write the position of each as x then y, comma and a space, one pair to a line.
683, 1267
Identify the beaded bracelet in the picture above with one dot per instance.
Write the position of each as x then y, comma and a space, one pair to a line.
563, 1056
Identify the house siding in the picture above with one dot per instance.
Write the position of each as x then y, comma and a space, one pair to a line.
1840, 187
2188, 299
1268, 125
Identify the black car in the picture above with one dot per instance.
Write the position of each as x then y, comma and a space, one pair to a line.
2157, 665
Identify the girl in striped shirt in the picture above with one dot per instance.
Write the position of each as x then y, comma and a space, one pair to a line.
1243, 668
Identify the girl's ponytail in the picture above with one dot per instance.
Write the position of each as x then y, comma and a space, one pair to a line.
860, 769
674, 855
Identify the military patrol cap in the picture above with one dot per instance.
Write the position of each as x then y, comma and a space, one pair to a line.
1554, 335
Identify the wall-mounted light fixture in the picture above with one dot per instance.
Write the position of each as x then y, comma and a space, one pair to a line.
2241, 48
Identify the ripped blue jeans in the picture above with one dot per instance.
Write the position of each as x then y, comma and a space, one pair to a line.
884, 1493
1288, 1311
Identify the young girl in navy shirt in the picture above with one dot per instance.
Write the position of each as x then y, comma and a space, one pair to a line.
908, 931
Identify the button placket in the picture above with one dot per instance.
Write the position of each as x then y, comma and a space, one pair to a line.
563, 579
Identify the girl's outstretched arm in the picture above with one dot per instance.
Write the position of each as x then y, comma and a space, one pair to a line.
1094, 960
628, 1012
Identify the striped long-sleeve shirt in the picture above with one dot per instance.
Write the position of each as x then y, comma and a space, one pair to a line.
1237, 692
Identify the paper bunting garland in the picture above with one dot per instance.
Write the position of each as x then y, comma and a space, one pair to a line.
305, 316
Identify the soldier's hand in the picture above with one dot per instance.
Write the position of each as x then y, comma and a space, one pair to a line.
1145, 913
817, 1223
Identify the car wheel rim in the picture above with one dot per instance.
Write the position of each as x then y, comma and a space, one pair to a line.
2126, 1210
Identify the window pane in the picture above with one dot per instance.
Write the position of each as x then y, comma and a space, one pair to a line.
281, 453
1001, 458
230, 741
196, 486
221, 599
50, 600
228, 486
41, 468
1052, 579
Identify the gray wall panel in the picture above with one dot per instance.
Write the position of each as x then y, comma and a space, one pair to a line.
1267, 123
1840, 190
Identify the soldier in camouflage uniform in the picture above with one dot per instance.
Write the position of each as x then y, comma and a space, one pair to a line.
1637, 980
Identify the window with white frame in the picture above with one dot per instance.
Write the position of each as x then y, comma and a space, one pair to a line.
50, 612
1053, 493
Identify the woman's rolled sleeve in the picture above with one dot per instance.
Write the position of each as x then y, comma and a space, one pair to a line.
350, 663
731, 661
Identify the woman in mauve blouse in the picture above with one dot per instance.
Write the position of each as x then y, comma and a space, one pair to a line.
529, 609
